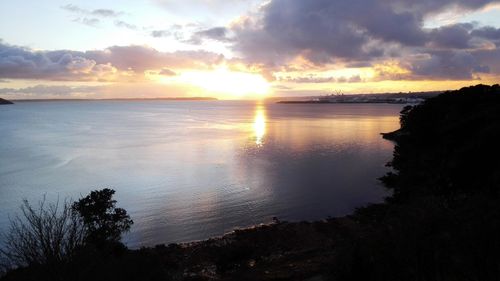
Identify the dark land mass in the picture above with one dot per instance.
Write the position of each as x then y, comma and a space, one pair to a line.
441, 223
2, 101
127, 99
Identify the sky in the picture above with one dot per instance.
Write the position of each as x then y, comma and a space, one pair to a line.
244, 49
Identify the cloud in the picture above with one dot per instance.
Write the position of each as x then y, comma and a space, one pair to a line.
92, 17
21, 63
321, 79
104, 13
455, 36
487, 32
141, 58
161, 33
215, 33
73, 8
93, 22
167, 72
115, 90
177, 31
490, 58
51, 91
111, 64
206, 9
323, 31
124, 24
436, 65
47, 90
326, 32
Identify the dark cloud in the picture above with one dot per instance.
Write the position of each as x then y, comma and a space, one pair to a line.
442, 65
330, 31
456, 36
324, 30
487, 32
215, 33
489, 57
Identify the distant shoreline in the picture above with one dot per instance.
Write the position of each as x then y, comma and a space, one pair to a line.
382, 98
125, 99
341, 102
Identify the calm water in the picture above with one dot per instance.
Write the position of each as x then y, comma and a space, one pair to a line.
191, 170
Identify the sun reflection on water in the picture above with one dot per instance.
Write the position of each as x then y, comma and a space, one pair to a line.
259, 125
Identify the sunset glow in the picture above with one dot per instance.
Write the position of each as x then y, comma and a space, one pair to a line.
244, 49
226, 83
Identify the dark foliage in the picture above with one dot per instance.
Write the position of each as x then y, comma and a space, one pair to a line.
443, 221
449, 144
103, 221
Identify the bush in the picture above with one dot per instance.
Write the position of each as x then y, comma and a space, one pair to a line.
48, 233
55, 233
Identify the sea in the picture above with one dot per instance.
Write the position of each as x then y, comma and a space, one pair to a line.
190, 170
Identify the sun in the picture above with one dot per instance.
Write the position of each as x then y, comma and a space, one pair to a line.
227, 83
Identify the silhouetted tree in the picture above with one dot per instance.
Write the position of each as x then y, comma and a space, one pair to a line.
103, 221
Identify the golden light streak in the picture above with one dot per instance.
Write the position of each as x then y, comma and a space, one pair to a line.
259, 125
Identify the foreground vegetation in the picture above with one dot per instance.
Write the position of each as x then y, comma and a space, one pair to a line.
442, 222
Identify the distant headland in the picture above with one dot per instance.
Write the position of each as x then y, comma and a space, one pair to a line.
398, 98
3, 101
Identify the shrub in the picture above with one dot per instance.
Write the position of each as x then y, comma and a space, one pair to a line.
48, 233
